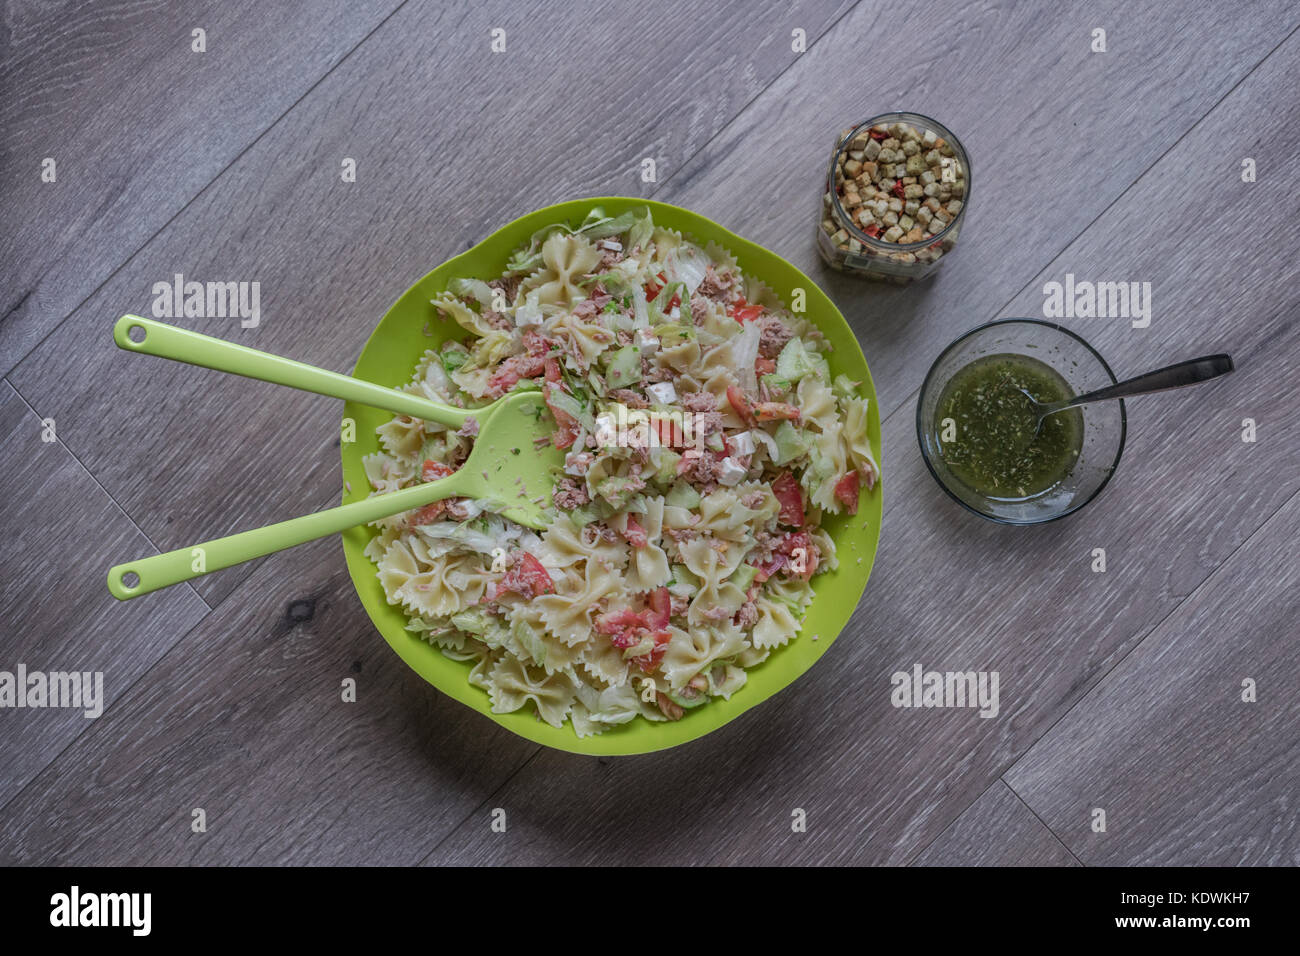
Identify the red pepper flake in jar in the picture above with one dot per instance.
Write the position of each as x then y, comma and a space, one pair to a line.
895, 193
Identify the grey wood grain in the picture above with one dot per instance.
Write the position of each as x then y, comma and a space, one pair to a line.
245, 719
58, 615
954, 593
138, 124
224, 718
996, 830
1020, 88
448, 146
1186, 771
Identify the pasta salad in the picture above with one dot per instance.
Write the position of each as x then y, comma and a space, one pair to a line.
704, 439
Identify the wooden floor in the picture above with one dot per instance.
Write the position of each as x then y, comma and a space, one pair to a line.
1121, 691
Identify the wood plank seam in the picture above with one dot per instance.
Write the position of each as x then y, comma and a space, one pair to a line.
1159, 624
910, 400
252, 565
189, 202
92, 477
753, 99
1055, 835
456, 828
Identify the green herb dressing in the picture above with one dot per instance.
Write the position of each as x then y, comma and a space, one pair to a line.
992, 445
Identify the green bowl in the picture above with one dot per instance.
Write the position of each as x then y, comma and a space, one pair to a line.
389, 358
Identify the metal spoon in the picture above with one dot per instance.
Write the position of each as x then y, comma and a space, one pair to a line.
1172, 376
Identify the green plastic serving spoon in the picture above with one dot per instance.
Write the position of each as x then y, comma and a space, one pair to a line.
512, 465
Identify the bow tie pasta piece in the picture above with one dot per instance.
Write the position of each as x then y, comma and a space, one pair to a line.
533, 642
648, 567
690, 652
604, 662
568, 614
596, 710
565, 259
511, 684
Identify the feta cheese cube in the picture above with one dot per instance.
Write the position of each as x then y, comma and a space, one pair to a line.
742, 444
662, 393
528, 314
730, 472
647, 341
606, 431
610, 245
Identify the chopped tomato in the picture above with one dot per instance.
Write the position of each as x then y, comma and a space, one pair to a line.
800, 541
428, 514
432, 470
628, 628
765, 571
790, 495
846, 490
783, 557
566, 426
898, 188
656, 285
634, 533
743, 312
741, 404
764, 366
873, 230
878, 134
773, 411
648, 662
659, 609
527, 578
623, 628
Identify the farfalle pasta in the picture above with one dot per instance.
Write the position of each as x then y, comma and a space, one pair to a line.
704, 441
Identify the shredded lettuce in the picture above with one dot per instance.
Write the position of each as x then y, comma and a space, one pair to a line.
493, 531
791, 443
640, 309
744, 352
475, 289
575, 408
845, 387
624, 367
682, 495
796, 361
691, 267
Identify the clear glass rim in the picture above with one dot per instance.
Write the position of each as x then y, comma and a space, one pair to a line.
852, 228
925, 452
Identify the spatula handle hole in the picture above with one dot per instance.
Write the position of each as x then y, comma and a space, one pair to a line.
130, 580
136, 333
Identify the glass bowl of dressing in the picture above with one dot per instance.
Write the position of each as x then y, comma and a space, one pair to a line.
979, 435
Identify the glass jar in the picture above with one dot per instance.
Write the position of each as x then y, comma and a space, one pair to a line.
859, 210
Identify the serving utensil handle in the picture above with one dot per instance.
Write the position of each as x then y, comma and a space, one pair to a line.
185, 564
1172, 376
193, 348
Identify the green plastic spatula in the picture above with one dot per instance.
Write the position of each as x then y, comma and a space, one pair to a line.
510, 466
